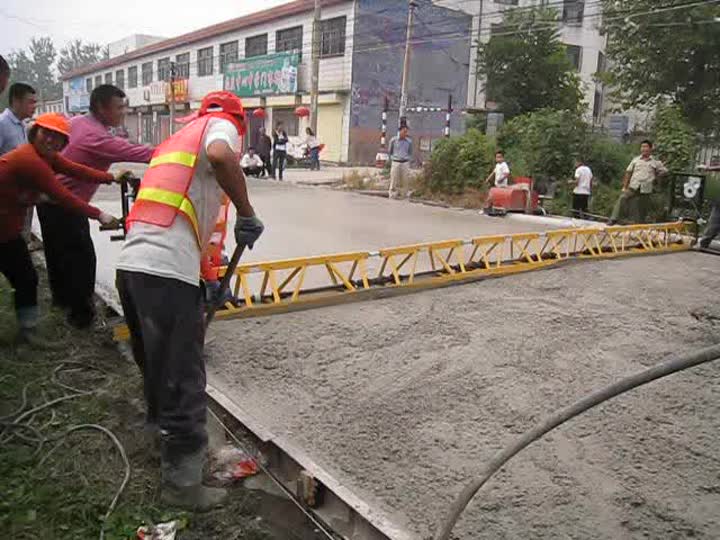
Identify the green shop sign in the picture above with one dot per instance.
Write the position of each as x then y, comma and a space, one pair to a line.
263, 76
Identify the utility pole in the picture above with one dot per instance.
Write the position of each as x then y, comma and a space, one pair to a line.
406, 63
172, 97
315, 80
474, 55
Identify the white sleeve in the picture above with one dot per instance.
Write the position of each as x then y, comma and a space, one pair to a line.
577, 173
222, 130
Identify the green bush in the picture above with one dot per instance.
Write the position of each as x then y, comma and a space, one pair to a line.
545, 142
607, 159
476, 158
460, 162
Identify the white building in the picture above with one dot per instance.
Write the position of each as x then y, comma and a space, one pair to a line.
579, 31
201, 57
265, 58
50, 106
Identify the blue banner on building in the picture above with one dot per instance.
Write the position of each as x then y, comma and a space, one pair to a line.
78, 98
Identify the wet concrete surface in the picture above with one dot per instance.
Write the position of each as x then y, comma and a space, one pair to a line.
404, 400
303, 221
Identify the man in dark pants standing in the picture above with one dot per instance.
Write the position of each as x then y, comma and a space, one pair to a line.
69, 250
264, 147
280, 141
170, 226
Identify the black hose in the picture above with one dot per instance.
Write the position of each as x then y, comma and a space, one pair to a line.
563, 415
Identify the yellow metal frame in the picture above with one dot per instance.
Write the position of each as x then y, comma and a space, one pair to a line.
282, 285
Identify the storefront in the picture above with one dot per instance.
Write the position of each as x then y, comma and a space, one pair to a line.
150, 123
271, 82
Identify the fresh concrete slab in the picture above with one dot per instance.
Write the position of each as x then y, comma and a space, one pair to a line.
404, 400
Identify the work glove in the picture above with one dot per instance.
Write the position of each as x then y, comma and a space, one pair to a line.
248, 230
123, 175
108, 222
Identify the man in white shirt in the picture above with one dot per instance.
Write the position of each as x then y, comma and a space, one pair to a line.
583, 188
501, 173
251, 163
158, 278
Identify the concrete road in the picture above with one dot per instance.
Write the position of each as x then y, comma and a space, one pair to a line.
404, 400
303, 221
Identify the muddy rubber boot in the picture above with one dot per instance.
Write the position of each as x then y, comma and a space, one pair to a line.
182, 484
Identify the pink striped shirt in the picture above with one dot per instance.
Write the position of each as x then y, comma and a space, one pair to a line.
92, 145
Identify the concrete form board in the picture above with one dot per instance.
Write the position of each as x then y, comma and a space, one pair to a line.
402, 400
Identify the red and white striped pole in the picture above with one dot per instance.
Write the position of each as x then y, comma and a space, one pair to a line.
382, 157
383, 135
447, 116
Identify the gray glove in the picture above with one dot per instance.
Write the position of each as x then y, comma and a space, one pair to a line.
248, 230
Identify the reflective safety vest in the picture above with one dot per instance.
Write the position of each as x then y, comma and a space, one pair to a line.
164, 188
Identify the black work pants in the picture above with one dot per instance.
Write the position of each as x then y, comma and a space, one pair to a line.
580, 205
165, 318
252, 171
71, 261
16, 265
267, 165
279, 158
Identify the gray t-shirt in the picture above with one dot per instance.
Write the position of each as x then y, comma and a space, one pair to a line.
401, 149
173, 252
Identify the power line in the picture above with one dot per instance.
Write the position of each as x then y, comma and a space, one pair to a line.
447, 36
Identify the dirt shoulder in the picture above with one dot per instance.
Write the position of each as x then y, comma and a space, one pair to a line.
403, 400
65, 493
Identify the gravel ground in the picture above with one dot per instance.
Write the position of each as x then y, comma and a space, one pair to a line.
405, 399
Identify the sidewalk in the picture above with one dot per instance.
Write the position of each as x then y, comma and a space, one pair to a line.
326, 176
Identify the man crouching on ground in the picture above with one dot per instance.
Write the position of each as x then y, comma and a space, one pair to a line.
158, 280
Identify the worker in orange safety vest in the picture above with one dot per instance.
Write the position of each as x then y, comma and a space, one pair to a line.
169, 229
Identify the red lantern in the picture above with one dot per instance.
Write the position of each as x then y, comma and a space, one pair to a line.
302, 111
259, 113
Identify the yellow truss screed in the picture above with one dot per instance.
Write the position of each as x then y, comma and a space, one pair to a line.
273, 287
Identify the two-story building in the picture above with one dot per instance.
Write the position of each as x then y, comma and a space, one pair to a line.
265, 58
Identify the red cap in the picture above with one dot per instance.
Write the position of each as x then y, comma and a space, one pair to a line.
227, 103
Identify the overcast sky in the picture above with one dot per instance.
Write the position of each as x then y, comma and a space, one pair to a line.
103, 21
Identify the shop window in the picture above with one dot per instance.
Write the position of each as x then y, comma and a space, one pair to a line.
147, 73
228, 54
132, 77
332, 37
290, 121
205, 61
256, 46
289, 39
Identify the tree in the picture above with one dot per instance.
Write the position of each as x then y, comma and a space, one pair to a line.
543, 144
77, 54
36, 67
665, 51
674, 138
526, 66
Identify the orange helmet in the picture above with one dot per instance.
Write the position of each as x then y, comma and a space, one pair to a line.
54, 122
224, 102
